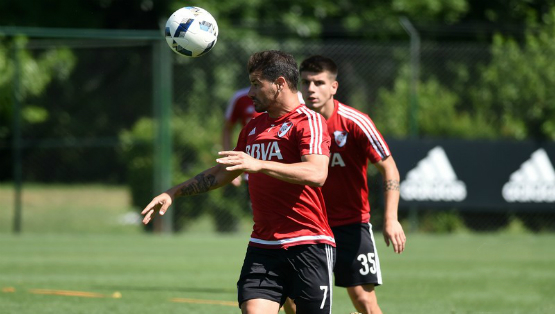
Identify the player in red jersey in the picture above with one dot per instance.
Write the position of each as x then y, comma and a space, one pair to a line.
285, 150
355, 141
239, 111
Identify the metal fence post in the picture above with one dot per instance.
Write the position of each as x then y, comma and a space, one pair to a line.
16, 142
413, 101
162, 102
415, 74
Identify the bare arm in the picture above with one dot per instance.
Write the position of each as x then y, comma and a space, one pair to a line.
205, 181
393, 231
312, 170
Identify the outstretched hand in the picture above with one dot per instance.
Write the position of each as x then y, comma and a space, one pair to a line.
393, 233
161, 203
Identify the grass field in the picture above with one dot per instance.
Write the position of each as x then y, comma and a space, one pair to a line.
196, 273
68, 209
98, 265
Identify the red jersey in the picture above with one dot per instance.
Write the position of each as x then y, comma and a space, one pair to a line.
355, 141
286, 214
240, 108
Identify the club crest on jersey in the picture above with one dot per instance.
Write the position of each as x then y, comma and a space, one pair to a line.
284, 128
340, 138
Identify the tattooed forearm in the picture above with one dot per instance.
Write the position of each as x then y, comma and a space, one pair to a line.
391, 185
203, 184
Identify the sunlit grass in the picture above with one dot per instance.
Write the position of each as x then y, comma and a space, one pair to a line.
68, 209
469, 273
75, 239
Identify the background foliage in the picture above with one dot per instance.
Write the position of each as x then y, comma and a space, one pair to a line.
486, 73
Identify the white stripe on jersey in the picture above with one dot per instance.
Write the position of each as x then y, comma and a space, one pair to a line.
319, 131
311, 131
367, 127
293, 240
316, 130
231, 104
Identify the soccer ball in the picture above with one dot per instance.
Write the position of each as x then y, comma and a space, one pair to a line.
191, 31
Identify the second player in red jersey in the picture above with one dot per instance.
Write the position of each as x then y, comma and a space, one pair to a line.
355, 142
240, 108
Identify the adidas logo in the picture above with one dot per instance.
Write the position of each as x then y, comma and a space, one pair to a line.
433, 179
252, 132
534, 181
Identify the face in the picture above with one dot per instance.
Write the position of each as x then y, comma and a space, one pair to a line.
262, 92
318, 89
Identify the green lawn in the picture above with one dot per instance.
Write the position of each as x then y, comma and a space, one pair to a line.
76, 250
51, 208
437, 274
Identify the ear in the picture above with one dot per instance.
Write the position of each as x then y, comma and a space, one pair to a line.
334, 87
281, 83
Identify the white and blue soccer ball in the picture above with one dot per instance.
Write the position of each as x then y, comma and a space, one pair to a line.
191, 31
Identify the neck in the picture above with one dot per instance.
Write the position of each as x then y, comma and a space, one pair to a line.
327, 109
284, 104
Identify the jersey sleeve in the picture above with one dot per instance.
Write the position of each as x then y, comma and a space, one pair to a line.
241, 145
368, 137
313, 135
231, 113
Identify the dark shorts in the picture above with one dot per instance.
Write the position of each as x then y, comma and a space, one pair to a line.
357, 260
302, 273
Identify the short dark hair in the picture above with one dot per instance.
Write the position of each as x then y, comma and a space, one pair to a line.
273, 64
319, 64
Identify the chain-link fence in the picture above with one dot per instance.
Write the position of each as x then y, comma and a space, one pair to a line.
82, 111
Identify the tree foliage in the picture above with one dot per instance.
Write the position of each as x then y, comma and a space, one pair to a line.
191, 155
328, 18
516, 87
512, 95
438, 112
32, 73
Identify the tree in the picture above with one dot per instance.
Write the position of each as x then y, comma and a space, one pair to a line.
515, 90
327, 18
33, 72
128, 14
439, 111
